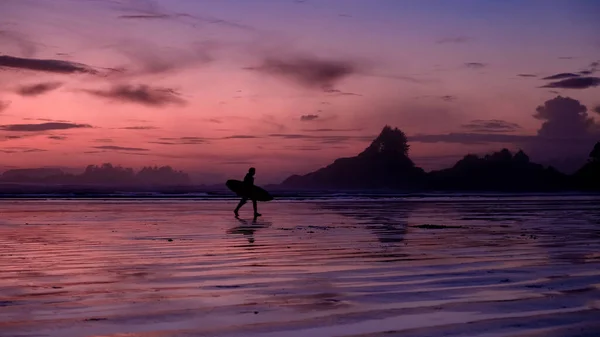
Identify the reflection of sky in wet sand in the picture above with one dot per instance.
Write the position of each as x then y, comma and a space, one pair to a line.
320, 269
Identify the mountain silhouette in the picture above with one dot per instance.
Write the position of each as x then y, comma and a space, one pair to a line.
105, 174
384, 164
588, 177
499, 171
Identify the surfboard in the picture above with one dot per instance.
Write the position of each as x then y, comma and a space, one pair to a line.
241, 190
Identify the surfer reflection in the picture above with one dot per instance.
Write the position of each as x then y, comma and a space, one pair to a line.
249, 182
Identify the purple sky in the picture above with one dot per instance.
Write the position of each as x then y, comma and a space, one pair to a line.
211, 87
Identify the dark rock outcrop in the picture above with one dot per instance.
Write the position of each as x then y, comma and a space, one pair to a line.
588, 177
500, 171
384, 164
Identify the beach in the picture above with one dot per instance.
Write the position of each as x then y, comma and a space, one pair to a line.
440, 266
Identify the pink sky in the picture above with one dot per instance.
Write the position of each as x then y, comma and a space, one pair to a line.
226, 84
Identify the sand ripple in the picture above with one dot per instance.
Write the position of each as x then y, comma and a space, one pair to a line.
494, 267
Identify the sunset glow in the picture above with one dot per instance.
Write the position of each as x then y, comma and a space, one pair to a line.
212, 87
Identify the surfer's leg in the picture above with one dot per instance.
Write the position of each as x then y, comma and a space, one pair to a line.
242, 202
255, 208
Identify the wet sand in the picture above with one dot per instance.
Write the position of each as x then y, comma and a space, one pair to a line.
422, 267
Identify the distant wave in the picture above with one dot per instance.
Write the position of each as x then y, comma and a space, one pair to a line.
306, 196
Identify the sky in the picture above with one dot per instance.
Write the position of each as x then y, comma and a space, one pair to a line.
287, 86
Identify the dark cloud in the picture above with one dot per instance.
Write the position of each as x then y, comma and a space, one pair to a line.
526, 75
181, 141
469, 138
214, 120
324, 139
307, 118
143, 127
20, 149
448, 98
4, 105
57, 137
13, 137
597, 109
46, 65
38, 89
492, 125
42, 127
240, 137
331, 130
150, 10
455, 39
575, 83
560, 76
475, 65
336, 92
310, 72
142, 94
119, 148
46, 120
303, 147
146, 16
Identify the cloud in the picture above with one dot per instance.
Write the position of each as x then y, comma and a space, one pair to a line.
336, 92
455, 40
181, 141
597, 109
492, 125
146, 16
240, 137
469, 138
309, 72
324, 139
44, 65
119, 148
475, 65
21, 150
4, 105
141, 94
563, 140
57, 137
331, 130
150, 10
526, 75
307, 118
567, 130
144, 127
149, 59
42, 127
103, 140
575, 83
38, 89
560, 76
448, 98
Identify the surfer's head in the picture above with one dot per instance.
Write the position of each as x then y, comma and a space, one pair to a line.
252, 170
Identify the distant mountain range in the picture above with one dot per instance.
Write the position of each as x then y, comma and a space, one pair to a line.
383, 166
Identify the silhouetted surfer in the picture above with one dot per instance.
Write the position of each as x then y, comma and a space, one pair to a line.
249, 182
